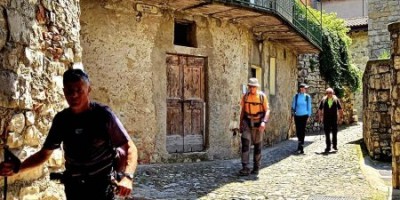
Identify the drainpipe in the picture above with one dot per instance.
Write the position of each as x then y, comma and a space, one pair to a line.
363, 8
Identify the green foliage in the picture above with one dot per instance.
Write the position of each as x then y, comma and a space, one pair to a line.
335, 62
385, 54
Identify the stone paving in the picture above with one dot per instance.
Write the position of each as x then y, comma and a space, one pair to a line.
312, 176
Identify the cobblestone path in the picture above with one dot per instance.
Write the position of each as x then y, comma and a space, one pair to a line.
312, 176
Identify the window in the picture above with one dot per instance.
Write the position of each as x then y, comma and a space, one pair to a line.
272, 76
185, 33
284, 54
255, 72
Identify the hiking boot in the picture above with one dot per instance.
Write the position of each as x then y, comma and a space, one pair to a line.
335, 148
299, 151
254, 171
244, 172
300, 147
327, 150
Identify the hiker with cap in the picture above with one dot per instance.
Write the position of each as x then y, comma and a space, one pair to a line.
254, 116
301, 110
92, 137
330, 113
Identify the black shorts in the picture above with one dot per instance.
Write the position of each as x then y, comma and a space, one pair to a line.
97, 187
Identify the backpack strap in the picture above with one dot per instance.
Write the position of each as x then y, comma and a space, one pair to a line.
323, 101
261, 103
261, 97
246, 96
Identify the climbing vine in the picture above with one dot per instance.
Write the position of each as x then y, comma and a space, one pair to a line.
335, 60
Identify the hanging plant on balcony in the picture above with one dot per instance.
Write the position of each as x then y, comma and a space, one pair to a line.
334, 60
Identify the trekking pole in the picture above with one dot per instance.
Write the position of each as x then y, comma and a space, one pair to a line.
321, 127
5, 147
5, 187
8, 157
290, 126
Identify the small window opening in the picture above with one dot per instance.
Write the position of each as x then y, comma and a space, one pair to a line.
284, 54
185, 33
253, 73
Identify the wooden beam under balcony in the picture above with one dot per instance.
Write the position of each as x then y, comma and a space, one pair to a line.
268, 20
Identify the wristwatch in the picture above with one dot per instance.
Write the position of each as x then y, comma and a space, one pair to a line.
127, 175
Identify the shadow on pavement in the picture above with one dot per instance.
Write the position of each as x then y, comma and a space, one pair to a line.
194, 180
201, 178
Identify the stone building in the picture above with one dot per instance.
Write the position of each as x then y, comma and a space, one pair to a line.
377, 119
381, 85
224, 45
173, 72
394, 30
378, 80
381, 106
381, 13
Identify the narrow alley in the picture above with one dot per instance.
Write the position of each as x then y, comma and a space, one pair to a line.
312, 176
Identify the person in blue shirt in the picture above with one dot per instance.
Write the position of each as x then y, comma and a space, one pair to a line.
301, 110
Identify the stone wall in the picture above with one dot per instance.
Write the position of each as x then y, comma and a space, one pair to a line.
135, 50
395, 109
308, 72
38, 41
359, 55
377, 126
349, 111
381, 13
277, 127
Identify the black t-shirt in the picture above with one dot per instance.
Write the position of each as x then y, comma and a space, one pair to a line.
89, 139
330, 113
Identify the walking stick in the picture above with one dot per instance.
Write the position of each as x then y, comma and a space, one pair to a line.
5, 188
290, 126
8, 157
321, 130
5, 147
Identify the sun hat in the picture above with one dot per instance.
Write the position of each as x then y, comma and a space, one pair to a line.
303, 85
253, 82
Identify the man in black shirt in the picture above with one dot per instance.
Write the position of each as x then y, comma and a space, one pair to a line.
329, 108
92, 137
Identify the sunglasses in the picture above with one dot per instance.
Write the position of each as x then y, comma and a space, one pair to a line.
329, 93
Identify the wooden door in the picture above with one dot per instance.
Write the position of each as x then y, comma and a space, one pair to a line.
185, 103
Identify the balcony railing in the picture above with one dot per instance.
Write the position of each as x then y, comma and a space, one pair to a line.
296, 14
